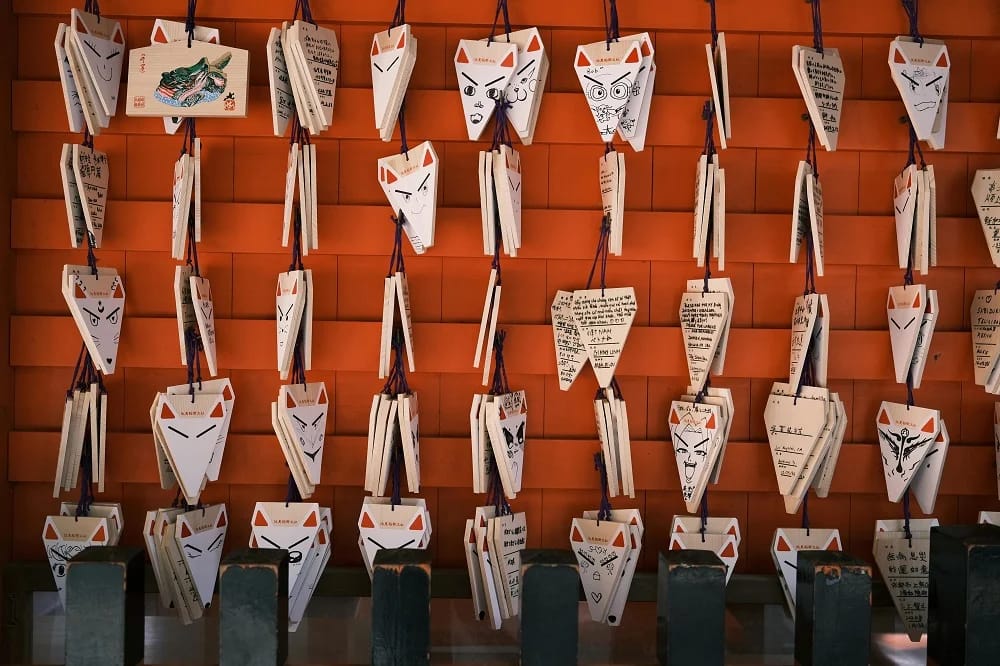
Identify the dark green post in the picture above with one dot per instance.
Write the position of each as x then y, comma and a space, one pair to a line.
550, 599
833, 609
401, 607
691, 608
105, 597
253, 615
964, 596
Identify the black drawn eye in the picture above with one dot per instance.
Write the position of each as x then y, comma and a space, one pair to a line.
215, 545
423, 189
493, 93
59, 569
205, 431
113, 317
621, 90
406, 195
701, 454
597, 93
469, 90
94, 319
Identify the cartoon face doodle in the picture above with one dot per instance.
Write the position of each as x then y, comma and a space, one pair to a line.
902, 446
693, 452
103, 55
483, 71
922, 73
59, 556
101, 299
524, 82
608, 96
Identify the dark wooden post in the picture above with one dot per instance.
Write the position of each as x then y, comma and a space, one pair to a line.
105, 597
401, 607
964, 596
550, 599
253, 603
691, 608
833, 609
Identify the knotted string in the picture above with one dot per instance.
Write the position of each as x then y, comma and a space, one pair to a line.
501, 8
611, 24
915, 150
396, 470
817, 21
499, 385
911, 8
189, 23
91, 257
190, 134
501, 132
601, 255
296, 263
193, 344
810, 287
712, 24
396, 264
396, 383
399, 16
603, 513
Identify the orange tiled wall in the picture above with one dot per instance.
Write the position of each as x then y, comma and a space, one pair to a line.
243, 175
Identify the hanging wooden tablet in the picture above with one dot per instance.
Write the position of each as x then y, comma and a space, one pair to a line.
905, 194
190, 427
317, 53
801, 219
393, 55
200, 535
111, 511
723, 286
510, 536
386, 526
289, 525
726, 546
607, 72
905, 308
94, 114
312, 570
483, 70
695, 430
718, 76
904, 562
821, 80
814, 460
927, 479
410, 183
920, 71
507, 422
64, 537
793, 430
635, 117
601, 548
525, 88
571, 354
711, 525
175, 80
175, 31
223, 388
905, 433
814, 196
71, 93
986, 195
828, 466
290, 301
305, 409
97, 303
702, 206
804, 315
604, 318
984, 314
402, 291
182, 191
292, 453
703, 316
90, 167
409, 431
204, 309
611, 167
785, 546
71, 195
282, 97
101, 43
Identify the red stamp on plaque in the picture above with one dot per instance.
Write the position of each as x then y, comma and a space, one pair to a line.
139, 102
230, 105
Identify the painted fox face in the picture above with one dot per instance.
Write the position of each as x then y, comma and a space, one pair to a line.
923, 71
201, 534
289, 303
483, 71
308, 408
100, 300
411, 188
292, 527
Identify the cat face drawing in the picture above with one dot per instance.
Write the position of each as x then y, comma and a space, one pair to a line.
100, 303
607, 74
308, 406
483, 70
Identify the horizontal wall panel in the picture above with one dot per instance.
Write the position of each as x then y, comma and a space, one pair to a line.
257, 460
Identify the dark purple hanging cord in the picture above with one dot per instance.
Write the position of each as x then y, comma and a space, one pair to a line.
805, 512
501, 9
399, 16
911, 9
712, 24
93, 7
611, 24
704, 515
404, 148
189, 24
817, 20
601, 255
708, 115
303, 6
604, 513
906, 517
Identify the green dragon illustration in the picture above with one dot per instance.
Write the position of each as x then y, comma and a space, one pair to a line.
200, 83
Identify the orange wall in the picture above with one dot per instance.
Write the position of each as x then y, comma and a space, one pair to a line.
243, 180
